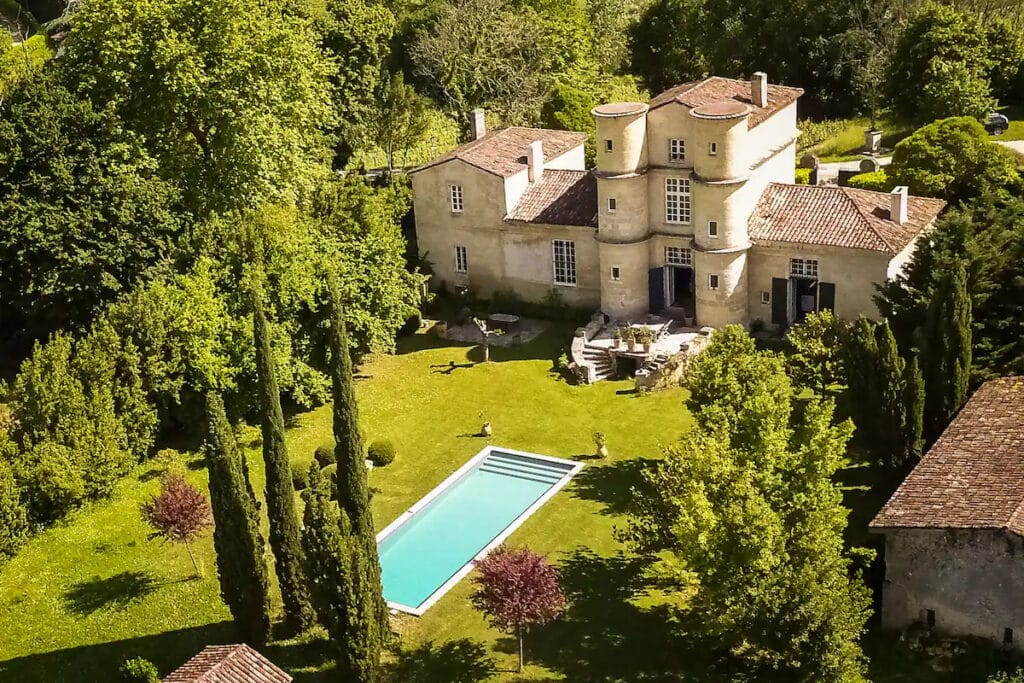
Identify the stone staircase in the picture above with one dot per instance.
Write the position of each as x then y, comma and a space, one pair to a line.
603, 364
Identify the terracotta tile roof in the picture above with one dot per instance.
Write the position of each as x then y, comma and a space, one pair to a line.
973, 477
503, 152
717, 89
228, 664
838, 217
559, 198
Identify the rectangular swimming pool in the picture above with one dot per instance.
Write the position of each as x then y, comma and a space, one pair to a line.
431, 547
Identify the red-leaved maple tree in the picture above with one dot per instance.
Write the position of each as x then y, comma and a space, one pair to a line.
516, 588
179, 513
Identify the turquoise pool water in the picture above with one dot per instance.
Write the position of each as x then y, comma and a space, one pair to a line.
437, 541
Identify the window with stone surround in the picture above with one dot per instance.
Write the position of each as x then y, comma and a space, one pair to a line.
455, 196
677, 200
800, 267
712, 281
678, 256
564, 262
611, 205
712, 228
616, 273
676, 150
461, 259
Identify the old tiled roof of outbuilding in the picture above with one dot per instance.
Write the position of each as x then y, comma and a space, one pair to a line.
973, 477
503, 152
718, 89
838, 217
559, 198
228, 664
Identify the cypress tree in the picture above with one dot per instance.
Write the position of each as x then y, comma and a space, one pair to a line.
369, 618
241, 568
913, 408
860, 357
888, 405
946, 343
328, 564
280, 494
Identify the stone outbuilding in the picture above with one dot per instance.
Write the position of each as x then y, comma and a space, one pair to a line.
228, 664
690, 213
954, 530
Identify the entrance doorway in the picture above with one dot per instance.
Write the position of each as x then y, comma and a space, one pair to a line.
680, 289
804, 299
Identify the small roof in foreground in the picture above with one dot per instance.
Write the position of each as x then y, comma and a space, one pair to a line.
718, 89
973, 477
228, 664
559, 198
503, 152
838, 217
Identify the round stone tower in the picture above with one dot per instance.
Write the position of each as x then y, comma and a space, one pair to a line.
721, 211
623, 229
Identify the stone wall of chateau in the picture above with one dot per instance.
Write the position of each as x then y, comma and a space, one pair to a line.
971, 580
528, 269
853, 271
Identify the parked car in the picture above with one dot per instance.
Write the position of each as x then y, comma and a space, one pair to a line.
996, 124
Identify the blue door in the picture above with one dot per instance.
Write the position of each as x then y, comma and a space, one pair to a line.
656, 283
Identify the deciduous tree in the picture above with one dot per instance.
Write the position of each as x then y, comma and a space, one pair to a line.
241, 566
232, 98
940, 66
953, 159
179, 514
517, 589
749, 523
815, 359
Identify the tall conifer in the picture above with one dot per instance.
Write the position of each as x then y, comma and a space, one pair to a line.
913, 407
888, 404
241, 568
280, 494
369, 617
946, 344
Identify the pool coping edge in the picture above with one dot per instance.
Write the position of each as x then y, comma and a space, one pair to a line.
418, 611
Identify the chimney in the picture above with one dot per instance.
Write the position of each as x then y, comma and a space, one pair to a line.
759, 89
535, 161
478, 127
898, 204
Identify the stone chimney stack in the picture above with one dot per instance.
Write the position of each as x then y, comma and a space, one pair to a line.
535, 161
759, 89
477, 125
898, 204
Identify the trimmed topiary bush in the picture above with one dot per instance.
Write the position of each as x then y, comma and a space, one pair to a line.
300, 475
878, 181
139, 670
802, 176
331, 472
381, 453
324, 455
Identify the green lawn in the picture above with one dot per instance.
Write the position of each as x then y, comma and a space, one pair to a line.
85, 595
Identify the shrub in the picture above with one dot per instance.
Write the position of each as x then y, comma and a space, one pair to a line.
802, 176
139, 670
324, 455
300, 475
815, 132
381, 453
878, 181
331, 472
13, 517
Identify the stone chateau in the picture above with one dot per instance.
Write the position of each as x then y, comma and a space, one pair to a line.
691, 213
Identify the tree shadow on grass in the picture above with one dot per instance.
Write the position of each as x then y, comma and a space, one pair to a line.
612, 484
115, 592
456, 661
307, 660
604, 635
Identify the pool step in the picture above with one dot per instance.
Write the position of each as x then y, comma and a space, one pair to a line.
541, 479
518, 469
531, 463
